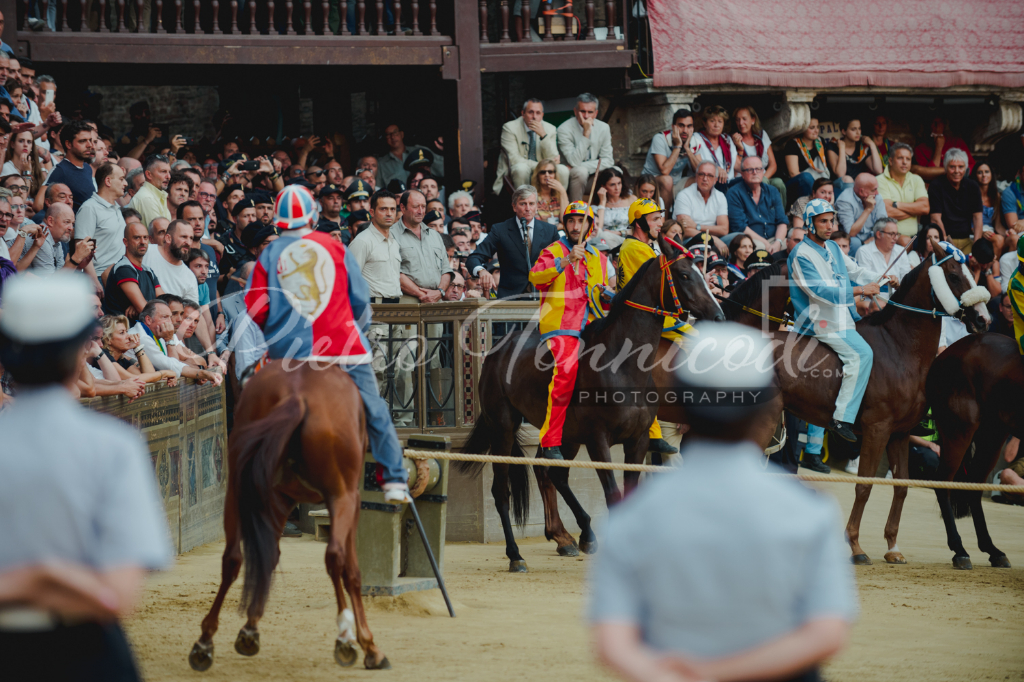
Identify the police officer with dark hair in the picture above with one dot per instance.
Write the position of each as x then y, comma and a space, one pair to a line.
762, 588
67, 576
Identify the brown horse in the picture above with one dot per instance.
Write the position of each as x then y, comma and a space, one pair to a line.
299, 436
743, 305
904, 338
514, 380
976, 392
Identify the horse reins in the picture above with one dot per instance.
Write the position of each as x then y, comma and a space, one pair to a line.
752, 311
666, 274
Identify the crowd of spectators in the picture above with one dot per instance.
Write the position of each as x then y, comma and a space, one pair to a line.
168, 230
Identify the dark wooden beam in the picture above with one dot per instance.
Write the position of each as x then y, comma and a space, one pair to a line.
579, 55
237, 49
469, 99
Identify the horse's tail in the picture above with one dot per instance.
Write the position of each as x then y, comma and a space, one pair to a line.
262, 445
479, 443
519, 485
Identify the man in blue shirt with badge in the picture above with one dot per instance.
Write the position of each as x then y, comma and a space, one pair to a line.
761, 588
66, 577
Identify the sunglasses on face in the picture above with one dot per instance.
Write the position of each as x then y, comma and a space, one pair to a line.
546, 172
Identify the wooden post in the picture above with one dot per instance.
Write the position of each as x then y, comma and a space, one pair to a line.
160, 17
271, 25
46, 14
217, 28
307, 6
483, 21
416, 18
139, 27
290, 8
548, 8
433, 17
504, 23
609, 18
234, 17
196, 27
589, 35
468, 148
178, 28
380, 17
361, 17
343, 24
325, 7
525, 13
103, 15
397, 9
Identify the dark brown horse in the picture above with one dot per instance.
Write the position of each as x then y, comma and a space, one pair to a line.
904, 338
616, 354
976, 392
299, 436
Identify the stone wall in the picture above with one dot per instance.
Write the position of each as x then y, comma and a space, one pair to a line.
185, 109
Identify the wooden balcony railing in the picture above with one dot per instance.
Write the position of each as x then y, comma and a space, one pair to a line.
397, 18
558, 21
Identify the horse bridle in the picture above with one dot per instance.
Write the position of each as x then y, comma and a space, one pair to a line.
666, 274
934, 312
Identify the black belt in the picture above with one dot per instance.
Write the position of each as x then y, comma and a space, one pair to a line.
378, 299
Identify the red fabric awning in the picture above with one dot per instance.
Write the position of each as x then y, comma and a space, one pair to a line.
836, 43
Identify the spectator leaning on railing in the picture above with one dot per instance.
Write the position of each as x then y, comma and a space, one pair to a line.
118, 342
155, 329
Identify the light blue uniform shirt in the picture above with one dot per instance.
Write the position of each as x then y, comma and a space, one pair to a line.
76, 485
716, 557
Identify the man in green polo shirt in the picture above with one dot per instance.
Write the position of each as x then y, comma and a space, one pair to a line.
903, 192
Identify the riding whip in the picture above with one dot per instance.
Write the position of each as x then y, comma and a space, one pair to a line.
882, 276
590, 207
430, 555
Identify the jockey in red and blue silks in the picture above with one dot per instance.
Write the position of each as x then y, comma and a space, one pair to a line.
561, 275
309, 297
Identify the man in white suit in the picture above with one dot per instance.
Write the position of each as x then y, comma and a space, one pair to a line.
525, 141
582, 140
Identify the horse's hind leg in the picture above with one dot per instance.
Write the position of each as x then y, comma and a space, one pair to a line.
988, 443
553, 527
201, 656
898, 450
956, 440
248, 641
559, 477
353, 579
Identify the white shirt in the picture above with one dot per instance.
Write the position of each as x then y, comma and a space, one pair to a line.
751, 150
154, 352
1007, 264
952, 331
869, 257
174, 279
690, 202
716, 157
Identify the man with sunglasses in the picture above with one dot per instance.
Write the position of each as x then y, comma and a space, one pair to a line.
317, 177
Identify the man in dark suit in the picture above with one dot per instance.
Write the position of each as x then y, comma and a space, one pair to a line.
509, 240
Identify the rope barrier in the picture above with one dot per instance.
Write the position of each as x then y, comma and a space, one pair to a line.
823, 478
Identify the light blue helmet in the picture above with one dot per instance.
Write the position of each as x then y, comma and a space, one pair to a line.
816, 207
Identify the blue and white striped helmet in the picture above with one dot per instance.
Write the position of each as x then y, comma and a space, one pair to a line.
816, 207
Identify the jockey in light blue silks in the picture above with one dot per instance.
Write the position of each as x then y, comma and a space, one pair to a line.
823, 283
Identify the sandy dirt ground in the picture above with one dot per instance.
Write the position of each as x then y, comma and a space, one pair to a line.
921, 621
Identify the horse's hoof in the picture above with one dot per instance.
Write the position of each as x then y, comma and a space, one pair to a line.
1000, 561
569, 550
345, 653
962, 563
248, 642
384, 664
201, 656
517, 567
861, 560
588, 547
895, 558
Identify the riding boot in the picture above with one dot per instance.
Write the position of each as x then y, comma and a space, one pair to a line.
812, 461
291, 530
843, 430
662, 447
553, 452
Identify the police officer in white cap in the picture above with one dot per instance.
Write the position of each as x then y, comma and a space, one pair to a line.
714, 570
82, 518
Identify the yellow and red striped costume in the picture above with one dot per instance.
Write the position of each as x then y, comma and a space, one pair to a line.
563, 315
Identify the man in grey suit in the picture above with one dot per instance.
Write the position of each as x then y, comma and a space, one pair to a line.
582, 140
525, 141
512, 240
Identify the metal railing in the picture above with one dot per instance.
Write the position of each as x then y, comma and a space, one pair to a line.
427, 359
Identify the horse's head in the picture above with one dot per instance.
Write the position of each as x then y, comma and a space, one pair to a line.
955, 288
690, 286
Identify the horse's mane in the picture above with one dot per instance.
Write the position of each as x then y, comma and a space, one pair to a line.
619, 302
748, 292
906, 284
